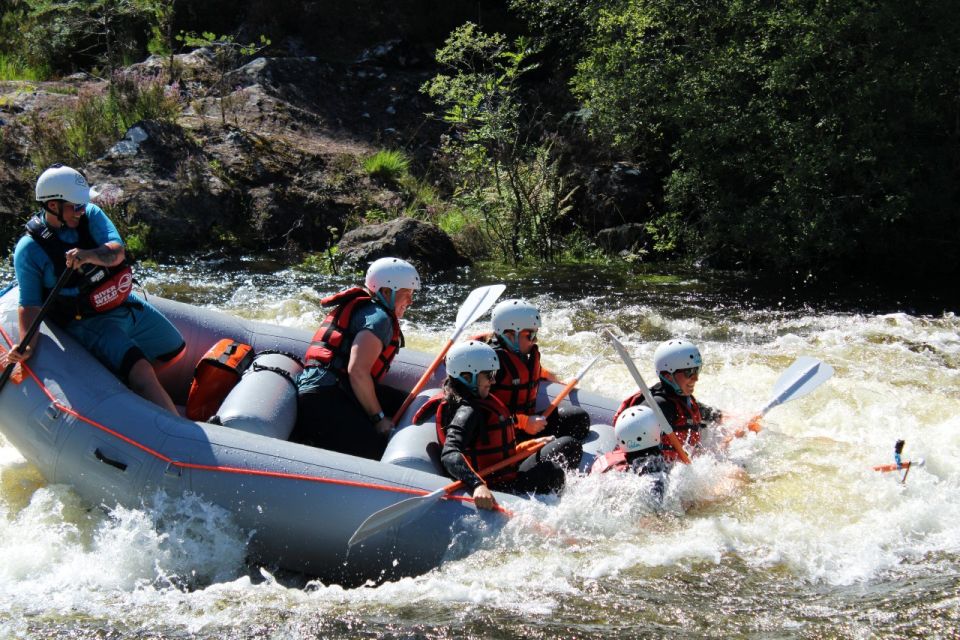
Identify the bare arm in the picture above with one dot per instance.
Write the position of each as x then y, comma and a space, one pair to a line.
109, 254
26, 316
364, 352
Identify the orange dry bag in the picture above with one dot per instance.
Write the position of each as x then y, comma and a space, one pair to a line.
217, 372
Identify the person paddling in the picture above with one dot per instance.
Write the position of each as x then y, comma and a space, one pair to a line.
638, 448
97, 305
476, 430
341, 405
514, 338
678, 364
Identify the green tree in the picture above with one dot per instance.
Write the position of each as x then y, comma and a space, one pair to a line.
507, 175
816, 134
164, 41
64, 34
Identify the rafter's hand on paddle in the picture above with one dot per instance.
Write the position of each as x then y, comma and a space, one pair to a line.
531, 425
483, 498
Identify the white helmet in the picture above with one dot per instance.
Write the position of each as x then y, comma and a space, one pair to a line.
637, 429
471, 357
63, 183
392, 273
514, 315
676, 354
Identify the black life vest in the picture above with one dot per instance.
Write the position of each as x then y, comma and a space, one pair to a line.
686, 424
330, 345
518, 380
498, 440
101, 288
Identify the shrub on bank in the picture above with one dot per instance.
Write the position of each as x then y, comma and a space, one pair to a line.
99, 119
387, 165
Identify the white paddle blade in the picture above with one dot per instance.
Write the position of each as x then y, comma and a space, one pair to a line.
395, 515
635, 373
476, 304
802, 377
586, 367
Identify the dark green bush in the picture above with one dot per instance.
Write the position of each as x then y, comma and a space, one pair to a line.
808, 134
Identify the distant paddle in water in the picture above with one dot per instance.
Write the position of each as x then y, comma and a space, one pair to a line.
899, 464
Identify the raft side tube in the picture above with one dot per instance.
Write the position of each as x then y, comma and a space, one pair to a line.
265, 399
415, 446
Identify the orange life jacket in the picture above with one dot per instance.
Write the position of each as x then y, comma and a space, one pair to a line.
518, 379
101, 288
497, 442
217, 372
686, 425
330, 345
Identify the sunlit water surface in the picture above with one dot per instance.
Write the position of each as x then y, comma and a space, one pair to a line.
812, 544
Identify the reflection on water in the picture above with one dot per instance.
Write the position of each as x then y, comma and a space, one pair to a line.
812, 544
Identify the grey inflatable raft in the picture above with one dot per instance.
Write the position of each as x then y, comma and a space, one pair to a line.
79, 425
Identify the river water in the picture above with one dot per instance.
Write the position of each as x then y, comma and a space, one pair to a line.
788, 533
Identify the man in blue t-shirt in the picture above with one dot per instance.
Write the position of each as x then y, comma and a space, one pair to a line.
96, 305
341, 405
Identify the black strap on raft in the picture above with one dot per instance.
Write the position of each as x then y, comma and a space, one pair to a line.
286, 375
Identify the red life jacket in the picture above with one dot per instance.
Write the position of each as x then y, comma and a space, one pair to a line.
217, 372
330, 345
615, 460
498, 440
518, 380
101, 288
686, 425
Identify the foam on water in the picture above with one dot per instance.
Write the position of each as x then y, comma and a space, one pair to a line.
810, 509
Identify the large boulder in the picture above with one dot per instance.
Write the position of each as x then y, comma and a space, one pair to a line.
626, 237
421, 243
618, 193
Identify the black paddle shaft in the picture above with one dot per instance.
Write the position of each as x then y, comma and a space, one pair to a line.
32, 331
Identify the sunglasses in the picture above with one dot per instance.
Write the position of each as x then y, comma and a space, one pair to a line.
530, 334
692, 371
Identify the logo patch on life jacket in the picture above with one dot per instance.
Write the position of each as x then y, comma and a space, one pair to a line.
113, 292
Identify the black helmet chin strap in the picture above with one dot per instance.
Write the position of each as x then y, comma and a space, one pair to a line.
57, 212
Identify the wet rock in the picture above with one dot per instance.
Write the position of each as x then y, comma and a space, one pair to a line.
421, 243
130, 144
397, 53
618, 193
626, 237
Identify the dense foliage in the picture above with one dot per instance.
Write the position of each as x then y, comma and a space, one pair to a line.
813, 134
506, 173
801, 135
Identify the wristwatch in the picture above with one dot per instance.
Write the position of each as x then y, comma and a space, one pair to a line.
377, 417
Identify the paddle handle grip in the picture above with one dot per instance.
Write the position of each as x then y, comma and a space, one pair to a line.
32, 330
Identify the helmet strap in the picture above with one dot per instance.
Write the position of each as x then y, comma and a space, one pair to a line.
393, 299
670, 383
57, 211
510, 344
469, 385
